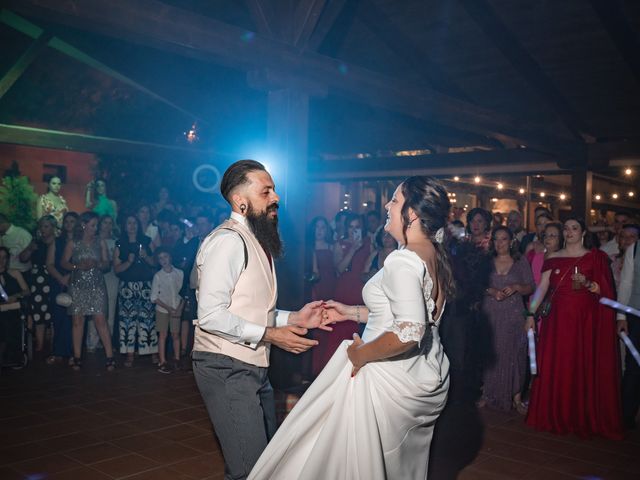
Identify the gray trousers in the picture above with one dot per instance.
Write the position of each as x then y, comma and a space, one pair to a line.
241, 406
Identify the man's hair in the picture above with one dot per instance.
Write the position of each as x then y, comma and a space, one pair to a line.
634, 226
236, 175
160, 250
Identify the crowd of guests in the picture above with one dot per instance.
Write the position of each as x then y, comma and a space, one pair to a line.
125, 276
508, 281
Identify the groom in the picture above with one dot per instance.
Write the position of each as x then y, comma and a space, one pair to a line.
237, 319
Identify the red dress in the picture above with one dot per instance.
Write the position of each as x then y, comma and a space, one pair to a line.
577, 389
348, 290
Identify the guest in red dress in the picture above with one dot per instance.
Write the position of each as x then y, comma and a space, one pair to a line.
577, 389
321, 284
350, 255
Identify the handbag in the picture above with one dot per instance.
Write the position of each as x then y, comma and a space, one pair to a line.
545, 307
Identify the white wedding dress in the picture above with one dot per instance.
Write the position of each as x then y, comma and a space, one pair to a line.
378, 424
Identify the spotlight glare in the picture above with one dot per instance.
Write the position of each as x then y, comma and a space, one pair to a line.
628, 171
631, 194
456, 178
476, 179
494, 199
563, 196
521, 191
500, 186
542, 194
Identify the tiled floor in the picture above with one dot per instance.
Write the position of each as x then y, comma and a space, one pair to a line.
139, 424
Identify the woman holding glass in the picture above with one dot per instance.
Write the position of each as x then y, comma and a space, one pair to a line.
577, 389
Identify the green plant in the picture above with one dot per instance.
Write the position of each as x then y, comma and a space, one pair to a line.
18, 201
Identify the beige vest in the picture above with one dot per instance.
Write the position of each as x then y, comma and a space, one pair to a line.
253, 299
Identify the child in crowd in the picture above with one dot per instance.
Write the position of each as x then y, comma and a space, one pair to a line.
165, 294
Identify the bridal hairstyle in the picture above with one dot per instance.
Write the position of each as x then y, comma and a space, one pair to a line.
236, 175
429, 200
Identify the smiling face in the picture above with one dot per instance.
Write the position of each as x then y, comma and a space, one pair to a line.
90, 228
259, 194
551, 239
501, 242
395, 224
573, 232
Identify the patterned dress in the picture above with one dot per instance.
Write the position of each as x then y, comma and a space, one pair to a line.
57, 210
40, 285
87, 287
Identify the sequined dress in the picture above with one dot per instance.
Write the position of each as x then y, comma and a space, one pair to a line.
87, 287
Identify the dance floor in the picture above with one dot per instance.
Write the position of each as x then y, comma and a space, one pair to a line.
139, 424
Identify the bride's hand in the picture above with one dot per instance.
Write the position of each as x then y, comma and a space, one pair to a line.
353, 352
335, 312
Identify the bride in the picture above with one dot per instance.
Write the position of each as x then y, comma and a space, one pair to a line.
371, 412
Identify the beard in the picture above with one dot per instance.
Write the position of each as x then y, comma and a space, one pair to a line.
265, 229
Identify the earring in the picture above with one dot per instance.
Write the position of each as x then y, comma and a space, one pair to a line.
243, 207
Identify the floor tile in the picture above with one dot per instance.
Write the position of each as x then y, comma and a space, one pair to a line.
125, 465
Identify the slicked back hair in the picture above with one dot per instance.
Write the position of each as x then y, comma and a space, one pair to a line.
236, 175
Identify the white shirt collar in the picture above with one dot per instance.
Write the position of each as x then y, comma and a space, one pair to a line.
239, 218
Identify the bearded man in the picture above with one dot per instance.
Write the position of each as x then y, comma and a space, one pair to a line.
237, 319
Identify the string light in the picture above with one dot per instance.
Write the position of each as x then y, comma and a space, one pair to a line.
456, 178
598, 197
476, 179
500, 186
628, 171
521, 191
631, 194
563, 196
542, 194
614, 196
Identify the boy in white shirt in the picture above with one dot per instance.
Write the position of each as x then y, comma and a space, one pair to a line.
165, 293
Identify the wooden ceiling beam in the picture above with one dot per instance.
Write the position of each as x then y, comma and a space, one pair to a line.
22, 63
621, 31
79, 142
331, 12
158, 25
470, 163
406, 49
305, 20
521, 60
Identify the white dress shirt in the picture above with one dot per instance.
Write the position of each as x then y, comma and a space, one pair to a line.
166, 288
626, 279
223, 253
611, 247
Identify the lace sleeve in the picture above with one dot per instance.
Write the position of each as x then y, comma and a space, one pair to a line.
408, 331
402, 284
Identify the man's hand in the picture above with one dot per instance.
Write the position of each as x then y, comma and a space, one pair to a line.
289, 338
310, 316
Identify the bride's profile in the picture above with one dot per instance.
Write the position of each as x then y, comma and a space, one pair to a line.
370, 413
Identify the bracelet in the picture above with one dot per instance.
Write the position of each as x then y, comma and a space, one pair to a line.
527, 313
358, 313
